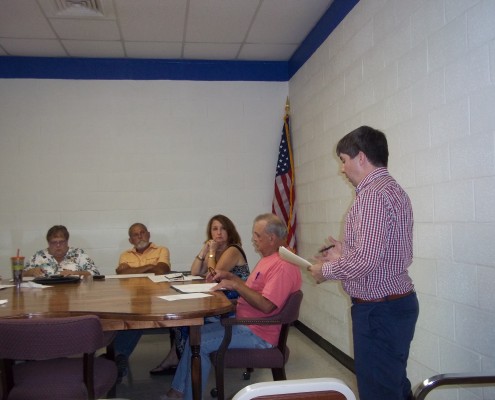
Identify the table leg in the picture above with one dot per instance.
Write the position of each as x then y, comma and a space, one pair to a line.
195, 340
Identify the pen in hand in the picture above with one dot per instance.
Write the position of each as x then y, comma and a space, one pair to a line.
326, 248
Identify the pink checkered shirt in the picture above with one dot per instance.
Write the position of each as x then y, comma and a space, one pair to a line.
378, 240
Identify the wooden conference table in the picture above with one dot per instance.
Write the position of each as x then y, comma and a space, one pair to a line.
123, 303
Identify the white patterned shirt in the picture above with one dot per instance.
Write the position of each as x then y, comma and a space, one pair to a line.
75, 260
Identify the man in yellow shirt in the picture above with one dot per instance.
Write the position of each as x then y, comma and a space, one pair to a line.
144, 257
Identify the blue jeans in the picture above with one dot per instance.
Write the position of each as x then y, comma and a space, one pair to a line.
126, 341
382, 334
211, 337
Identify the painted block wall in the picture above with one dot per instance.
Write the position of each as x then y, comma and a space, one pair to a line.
97, 156
424, 73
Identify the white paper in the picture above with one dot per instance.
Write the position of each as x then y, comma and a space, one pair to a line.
3, 302
24, 279
164, 278
34, 285
194, 287
289, 256
184, 296
5, 286
121, 276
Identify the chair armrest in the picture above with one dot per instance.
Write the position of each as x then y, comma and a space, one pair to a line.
228, 323
453, 379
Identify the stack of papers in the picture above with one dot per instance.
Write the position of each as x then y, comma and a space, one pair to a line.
174, 278
194, 287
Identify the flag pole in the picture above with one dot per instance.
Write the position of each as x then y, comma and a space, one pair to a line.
289, 144
284, 196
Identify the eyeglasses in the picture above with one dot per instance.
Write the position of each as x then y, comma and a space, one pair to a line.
55, 243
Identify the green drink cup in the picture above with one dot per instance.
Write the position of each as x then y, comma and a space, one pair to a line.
17, 267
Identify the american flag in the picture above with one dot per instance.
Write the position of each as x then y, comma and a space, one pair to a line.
285, 191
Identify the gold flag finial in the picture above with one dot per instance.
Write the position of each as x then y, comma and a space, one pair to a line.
287, 106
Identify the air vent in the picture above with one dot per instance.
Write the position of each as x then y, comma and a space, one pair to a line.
79, 8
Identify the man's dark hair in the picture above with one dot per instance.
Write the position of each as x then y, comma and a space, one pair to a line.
371, 142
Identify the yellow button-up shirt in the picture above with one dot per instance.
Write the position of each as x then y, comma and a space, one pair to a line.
151, 256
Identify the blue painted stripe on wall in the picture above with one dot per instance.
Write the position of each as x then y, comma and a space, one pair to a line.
325, 26
192, 70
141, 69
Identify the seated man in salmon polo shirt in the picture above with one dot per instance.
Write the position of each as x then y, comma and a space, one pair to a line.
144, 257
264, 294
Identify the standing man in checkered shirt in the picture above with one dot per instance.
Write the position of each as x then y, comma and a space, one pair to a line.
371, 262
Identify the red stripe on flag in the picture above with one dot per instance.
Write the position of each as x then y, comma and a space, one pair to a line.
284, 196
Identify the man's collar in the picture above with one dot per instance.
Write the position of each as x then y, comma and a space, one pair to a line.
377, 172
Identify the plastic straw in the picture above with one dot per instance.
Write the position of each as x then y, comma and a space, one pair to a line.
18, 252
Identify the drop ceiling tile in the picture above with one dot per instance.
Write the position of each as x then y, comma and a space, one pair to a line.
210, 51
153, 50
160, 20
32, 47
219, 20
85, 48
23, 19
227, 29
86, 29
298, 19
265, 52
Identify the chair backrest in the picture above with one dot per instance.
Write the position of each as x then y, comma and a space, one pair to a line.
312, 388
290, 311
46, 338
288, 315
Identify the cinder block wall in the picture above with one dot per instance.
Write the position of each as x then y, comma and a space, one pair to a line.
97, 156
424, 73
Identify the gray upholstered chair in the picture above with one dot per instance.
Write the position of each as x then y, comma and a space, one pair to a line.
54, 358
274, 358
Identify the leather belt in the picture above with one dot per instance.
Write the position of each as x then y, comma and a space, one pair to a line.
390, 297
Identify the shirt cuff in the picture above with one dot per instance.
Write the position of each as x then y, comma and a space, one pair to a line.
326, 270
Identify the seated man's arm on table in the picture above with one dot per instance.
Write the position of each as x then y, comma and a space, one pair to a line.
158, 269
230, 281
